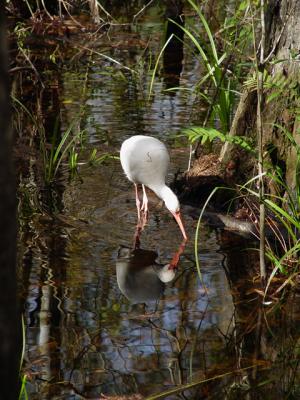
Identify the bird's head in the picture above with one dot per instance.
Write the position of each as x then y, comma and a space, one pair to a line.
171, 202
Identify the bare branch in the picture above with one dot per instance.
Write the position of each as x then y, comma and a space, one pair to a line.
142, 10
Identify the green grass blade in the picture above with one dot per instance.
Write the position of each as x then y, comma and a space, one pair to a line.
283, 213
294, 250
212, 71
197, 237
207, 29
62, 142
201, 51
156, 65
255, 178
25, 109
65, 150
23, 343
23, 392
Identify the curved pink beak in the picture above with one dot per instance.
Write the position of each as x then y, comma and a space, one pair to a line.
177, 216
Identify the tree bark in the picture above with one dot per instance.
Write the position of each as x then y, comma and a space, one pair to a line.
283, 45
9, 317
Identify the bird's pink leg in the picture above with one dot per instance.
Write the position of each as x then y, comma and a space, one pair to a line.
142, 220
176, 257
138, 203
145, 202
136, 237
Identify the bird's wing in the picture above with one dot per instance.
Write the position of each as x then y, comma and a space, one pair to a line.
152, 165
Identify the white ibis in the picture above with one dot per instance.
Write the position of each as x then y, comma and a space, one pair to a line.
145, 161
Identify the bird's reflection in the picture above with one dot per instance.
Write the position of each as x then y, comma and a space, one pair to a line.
140, 277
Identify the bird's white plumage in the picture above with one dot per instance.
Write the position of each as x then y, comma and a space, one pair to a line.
145, 160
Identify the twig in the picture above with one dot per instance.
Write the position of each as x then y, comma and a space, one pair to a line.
16, 69
141, 10
104, 56
32, 66
260, 67
46, 11
104, 10
70, 16
190, 157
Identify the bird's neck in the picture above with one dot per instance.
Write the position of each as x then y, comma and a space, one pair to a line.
168, 196
162, 191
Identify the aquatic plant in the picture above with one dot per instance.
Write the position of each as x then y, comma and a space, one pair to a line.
283, 220
69, 148
285, 205
64, 151
220, 104
59, 151
282, 210
23, 392
96, 160
221, 101
156, 66
52, 158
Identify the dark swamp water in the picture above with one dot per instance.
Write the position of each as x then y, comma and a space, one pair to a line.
99, 323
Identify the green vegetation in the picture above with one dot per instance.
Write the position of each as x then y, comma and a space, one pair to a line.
65, 151
203, 135
221, 103
61, 150
23, 392
284, 209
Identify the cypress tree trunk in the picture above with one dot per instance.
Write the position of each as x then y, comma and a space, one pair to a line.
9, 318
281, 101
